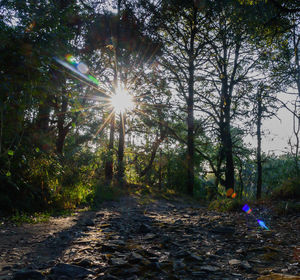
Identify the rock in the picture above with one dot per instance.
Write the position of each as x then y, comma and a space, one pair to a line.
220, 252
277, 276
28, 275
234, 262
118, 261
144, 228
149, 236
84, 263
245, 265
72, 271
178, 265
193, 257
89, 223
209, 268
223, 230
108, 248
199, 274
107, 277
135, 258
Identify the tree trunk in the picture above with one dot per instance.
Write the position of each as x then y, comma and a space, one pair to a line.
241, 182
121, 167
258, 155
190, 148
109, 166
226, 137
62, 131
229, 172
160, 171
43, 117
190, 115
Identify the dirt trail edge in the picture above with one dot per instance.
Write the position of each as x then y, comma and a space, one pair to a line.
160, 240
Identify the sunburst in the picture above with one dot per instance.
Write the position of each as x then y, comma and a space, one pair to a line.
122, 101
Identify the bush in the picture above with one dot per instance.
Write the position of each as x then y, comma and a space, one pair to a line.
287, 207
226, 205
101, 193
290, 189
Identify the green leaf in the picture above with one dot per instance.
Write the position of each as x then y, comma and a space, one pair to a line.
74, 125
10, 152
37, 150
8, 174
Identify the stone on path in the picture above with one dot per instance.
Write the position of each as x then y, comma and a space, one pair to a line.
234, 262
28, 275
278, 276
72, 271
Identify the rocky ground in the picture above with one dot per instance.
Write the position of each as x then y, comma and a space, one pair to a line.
158, 240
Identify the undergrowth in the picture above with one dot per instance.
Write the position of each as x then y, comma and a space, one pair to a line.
20, 218
226, 205
290, 189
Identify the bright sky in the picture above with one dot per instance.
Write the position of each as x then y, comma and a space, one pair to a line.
277, 132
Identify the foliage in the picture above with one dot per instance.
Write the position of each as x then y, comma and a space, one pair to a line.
290, 189
226, 205
286, 207
102, 192
20, 218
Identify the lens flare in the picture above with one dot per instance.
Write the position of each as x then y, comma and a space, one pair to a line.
122, 101
229, 192
247, 209
262, 224
82, 67
70, 58
79, 69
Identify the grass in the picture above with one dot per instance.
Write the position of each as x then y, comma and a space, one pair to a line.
38, 217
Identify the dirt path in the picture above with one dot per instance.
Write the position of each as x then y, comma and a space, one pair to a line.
161, 240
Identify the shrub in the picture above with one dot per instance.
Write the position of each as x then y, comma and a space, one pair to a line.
226, 205
290, 189
287, 207
102, 192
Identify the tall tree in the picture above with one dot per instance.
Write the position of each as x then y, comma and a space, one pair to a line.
181, 26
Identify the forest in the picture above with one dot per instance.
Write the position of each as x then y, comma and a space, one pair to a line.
135, 139
157, 94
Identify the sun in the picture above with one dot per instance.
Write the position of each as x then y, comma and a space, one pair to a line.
121, 101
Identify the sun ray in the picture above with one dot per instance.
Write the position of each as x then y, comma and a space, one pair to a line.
122, 101
105, 123
154, 119
137, 75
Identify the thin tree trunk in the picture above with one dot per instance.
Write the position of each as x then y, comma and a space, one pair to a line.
229, 172
160, 171
190, 115
43, 117
1, 129
62, 131
241, 182
121, 167
258, 156
155, 147
190, 148
109, 170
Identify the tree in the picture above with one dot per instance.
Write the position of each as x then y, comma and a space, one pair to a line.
181, 25
124, 39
